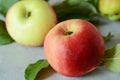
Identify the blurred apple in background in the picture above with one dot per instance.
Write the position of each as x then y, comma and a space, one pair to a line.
74, 47
28, 21
110, 9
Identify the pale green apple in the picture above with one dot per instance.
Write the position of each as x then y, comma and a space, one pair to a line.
110, 9
28, 21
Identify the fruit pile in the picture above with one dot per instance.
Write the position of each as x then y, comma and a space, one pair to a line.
73, 45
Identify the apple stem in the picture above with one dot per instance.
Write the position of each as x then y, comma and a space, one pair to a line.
28, 14
68, 33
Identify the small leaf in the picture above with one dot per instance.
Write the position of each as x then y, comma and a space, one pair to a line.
108, 37
112, 59
5, 5
33, 69
4, 36
94, 2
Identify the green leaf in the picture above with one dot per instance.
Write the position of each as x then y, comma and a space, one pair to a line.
5, 5
112, 58
94, 2
80, 9
4, 36
33, 69
108, 37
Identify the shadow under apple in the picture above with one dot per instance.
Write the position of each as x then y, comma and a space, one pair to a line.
97, 72
45, 73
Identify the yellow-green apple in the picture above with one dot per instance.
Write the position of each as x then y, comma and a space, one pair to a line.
74, 47
28, 21
110, 9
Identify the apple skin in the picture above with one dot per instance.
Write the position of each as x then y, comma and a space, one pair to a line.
28, 21
110, 9
74, 47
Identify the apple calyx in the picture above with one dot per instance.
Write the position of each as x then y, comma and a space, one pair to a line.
111, 15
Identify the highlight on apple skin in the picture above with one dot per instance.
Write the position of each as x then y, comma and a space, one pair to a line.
28, 21
74, 47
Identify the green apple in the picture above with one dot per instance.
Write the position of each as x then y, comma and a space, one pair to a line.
110, 9
28, 21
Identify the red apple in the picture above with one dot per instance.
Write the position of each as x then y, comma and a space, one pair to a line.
74, 47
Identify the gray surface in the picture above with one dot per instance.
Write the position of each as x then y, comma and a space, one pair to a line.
14, 58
